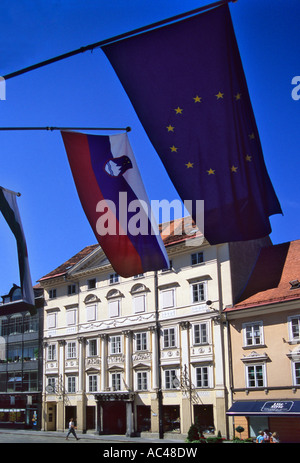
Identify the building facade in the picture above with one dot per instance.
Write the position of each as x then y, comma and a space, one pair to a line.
265, 346
21, 365
141, 354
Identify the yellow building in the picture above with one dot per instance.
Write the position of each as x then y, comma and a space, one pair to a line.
142, 354
264, 346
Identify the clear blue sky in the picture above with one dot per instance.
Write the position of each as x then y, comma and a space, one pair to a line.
84, 91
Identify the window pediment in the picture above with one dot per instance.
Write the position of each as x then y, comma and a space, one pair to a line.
91, 299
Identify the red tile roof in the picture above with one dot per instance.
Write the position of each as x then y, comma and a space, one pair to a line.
63, 268
171, 232
269, 282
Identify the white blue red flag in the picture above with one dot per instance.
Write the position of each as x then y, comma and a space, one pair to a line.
114, 199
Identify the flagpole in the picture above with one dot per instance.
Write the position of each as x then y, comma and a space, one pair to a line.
127, 129
125, 35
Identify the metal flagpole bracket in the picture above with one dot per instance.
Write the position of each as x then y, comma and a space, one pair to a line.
10, 191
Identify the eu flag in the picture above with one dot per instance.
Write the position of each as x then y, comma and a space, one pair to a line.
187, 85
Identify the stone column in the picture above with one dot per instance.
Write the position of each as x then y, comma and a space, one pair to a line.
103, 384
81, 397
60, 415
185, 380
128, 359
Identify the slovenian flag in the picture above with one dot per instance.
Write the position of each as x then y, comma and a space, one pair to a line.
114, 199
10, 211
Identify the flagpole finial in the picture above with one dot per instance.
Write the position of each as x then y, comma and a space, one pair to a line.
128, 129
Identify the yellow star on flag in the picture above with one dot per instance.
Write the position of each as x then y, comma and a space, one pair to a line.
211, 171
234, 169
220, 95
190, 165
178, 110
238, 96
248, 158
173, 149
197, 99
252, 136
170, 128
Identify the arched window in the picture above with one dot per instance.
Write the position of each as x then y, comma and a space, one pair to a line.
30, 323
16, 324
139, 292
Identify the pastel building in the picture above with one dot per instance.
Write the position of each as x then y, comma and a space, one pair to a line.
147, 353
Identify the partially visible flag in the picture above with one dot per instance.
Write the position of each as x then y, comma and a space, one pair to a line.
187, 85
115, 202
10, 211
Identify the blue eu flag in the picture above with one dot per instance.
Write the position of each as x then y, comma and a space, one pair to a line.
187, 85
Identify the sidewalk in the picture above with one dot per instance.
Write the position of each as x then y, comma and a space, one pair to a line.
101, 438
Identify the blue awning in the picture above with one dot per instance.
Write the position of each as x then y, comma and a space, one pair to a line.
265, 408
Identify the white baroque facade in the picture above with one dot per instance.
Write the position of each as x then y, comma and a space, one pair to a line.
147, 353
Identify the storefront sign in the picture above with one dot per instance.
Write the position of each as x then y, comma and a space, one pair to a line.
277, 407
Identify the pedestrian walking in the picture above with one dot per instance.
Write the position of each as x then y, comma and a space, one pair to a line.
267, 436
260, 437
72, 429
275, 438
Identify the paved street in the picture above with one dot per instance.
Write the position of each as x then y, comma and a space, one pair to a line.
40, 437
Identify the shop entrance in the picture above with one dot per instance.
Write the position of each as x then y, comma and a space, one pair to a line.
114, 417
90, 417
204, 417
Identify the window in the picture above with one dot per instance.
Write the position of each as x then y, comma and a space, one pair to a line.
52, 352
14, 353
114, 308
71, 384
253, 334
52, 293
71, 317
169, 337
113, 278
30, 381
93, 383
167, 298
141, 341
197, 258
201, 333
255, 375
3, 326
142, 381
294, 328
170, 377
71, 289
16, 324
296, 373
51, 320
71, 350
198, 292
139, 303
14, 382
116, 381
92, 347
30, 351
202, 376
51, 381
115, 345
91, 283
31, 323
91, 311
